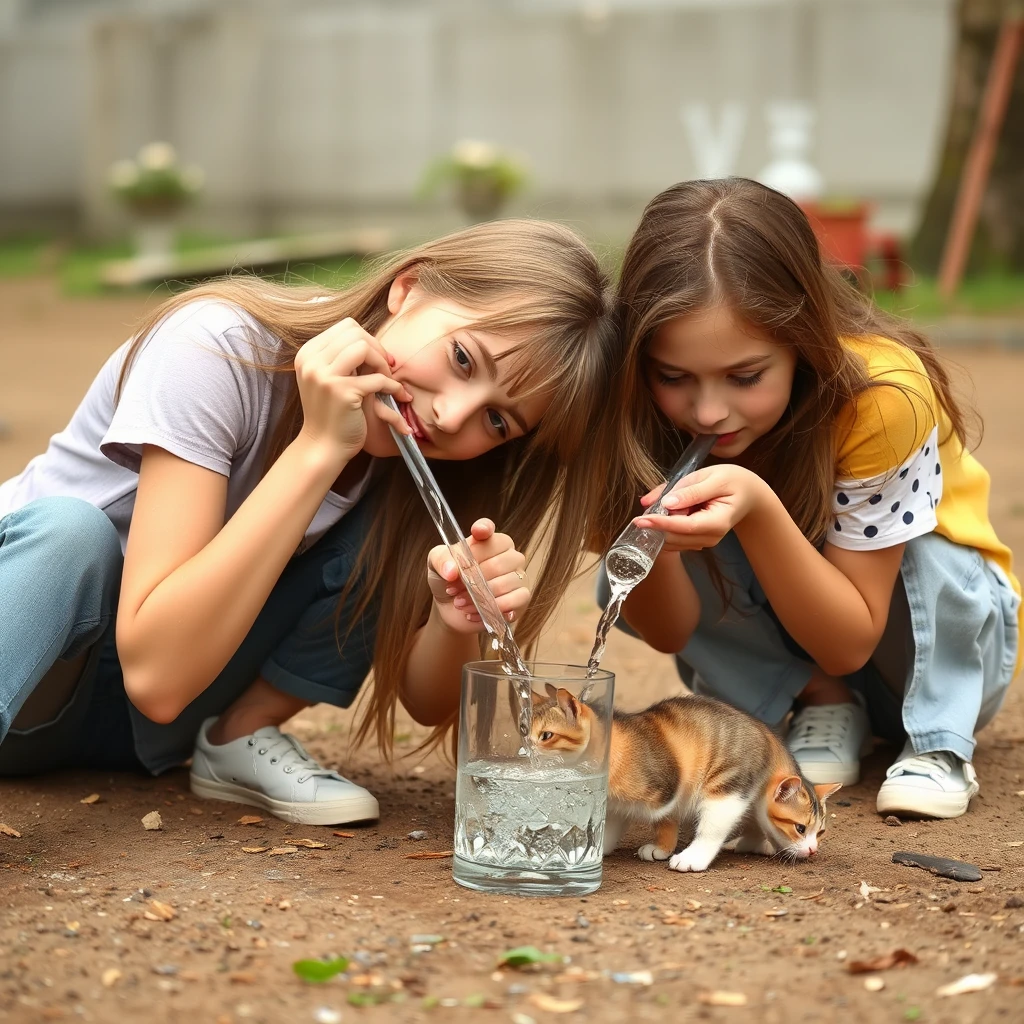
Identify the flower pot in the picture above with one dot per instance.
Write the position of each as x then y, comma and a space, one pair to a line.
480, 198
154, 237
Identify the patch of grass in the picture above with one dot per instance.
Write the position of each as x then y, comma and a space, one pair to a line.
19, 256
991, 295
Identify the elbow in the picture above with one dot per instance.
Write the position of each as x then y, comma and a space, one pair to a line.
426, 714
844, 663
149, 698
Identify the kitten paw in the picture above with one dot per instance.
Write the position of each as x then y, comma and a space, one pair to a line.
689, 861
651, 852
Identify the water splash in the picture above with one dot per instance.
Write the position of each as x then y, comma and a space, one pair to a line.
632, 556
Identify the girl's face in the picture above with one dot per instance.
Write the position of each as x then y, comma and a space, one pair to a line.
460, 407
711, 373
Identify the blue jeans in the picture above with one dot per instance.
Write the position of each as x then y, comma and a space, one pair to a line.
941, 669
60, 572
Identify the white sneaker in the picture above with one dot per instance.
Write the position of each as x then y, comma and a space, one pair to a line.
270, 769
933, 785
828, 742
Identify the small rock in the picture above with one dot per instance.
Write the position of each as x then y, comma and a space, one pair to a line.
891, 819
417, 834
326, 1015
581, 921
1014, 902
165, 969
874, 983
111, 976
152, 821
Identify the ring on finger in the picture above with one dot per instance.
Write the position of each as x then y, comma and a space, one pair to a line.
521, 575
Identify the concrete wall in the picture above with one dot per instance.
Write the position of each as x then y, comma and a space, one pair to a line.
306, 113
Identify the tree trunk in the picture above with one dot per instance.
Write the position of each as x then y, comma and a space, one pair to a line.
998, 242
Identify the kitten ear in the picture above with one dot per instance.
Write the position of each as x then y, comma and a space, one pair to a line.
537, 698
551, 691
567, 702
787, 788
824, 792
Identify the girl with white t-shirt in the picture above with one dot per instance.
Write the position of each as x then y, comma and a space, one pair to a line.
223, 534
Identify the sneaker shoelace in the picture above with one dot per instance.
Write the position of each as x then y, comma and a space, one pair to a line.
937, 765
286, 750
825, 726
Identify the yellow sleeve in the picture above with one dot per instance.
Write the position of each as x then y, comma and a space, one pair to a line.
890, 420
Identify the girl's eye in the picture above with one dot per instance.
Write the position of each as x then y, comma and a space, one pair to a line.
461, 356
748, 382
545, 736
497, 422
801, 829
664, 378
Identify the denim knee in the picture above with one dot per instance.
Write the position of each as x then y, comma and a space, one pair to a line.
74, 532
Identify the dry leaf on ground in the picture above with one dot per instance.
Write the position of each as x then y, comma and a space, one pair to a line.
346, 835
776, 912
92, 798
110, 977
813, 895
8, 831
968, 983
255, 849
722, 998
545, 1002
310, 844
897, 958
278, 851
152, 821
160, 911
249, 819
429, 855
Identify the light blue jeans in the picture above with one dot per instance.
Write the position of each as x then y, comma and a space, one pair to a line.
60, 573
939, 673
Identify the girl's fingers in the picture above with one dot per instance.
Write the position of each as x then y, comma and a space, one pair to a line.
652, 496
694, 489
482, 529
505, 562
371, 383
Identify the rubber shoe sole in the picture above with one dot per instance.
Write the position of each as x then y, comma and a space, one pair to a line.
359, 807
920, 803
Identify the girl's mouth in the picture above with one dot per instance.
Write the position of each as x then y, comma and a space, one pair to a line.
419, 432
726, 439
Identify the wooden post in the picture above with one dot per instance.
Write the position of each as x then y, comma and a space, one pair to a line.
979, 157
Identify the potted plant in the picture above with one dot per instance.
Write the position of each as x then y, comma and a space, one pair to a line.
154, 187
483, 176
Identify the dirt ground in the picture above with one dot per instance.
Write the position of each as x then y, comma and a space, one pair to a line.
80, 935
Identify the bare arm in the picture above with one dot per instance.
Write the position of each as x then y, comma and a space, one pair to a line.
834, 604
433, 675
192, 584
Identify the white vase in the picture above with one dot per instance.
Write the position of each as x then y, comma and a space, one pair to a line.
154, 238
789, 138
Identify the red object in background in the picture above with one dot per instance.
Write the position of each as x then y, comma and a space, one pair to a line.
842, 232
846, 240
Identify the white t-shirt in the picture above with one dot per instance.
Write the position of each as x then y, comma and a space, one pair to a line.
188, 391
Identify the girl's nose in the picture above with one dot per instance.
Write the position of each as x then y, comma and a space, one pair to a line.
451, 412
710, 410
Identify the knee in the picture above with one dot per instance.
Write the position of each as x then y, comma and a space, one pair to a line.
74, 533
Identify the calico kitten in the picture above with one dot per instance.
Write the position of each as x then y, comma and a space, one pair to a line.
693, 759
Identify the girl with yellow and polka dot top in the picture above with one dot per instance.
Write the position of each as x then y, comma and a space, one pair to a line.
834, 557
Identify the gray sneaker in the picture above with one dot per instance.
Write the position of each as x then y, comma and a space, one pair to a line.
271, 769
829, 740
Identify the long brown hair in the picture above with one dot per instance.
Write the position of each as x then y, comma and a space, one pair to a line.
535, 281
736, 242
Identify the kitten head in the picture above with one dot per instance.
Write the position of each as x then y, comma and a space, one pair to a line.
561, 723
796, 813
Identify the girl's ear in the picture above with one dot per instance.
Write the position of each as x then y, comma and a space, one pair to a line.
400, 293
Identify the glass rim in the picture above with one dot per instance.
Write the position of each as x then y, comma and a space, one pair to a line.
491, 668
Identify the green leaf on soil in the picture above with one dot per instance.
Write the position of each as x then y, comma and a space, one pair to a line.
912, 1013
521, 956
318, 971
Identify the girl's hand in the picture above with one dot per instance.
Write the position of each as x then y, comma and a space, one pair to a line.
704, 506
335, 372
504, 569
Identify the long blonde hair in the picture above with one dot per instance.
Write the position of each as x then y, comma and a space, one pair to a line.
552, 297
737, 242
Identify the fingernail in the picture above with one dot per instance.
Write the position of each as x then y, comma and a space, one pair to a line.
451, 591
391, 360
460, 602
671, 501
511, 616
448, 567
642, 523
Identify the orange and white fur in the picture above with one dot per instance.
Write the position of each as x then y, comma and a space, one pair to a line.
692, 759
